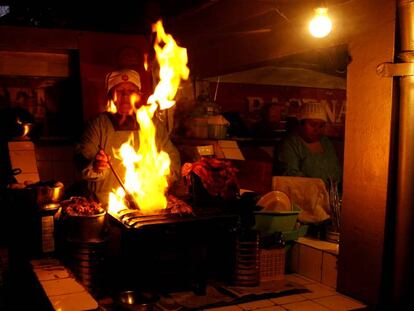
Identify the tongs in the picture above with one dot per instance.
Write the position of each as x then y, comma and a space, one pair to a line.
129, 198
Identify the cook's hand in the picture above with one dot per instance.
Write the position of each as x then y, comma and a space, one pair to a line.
101, 160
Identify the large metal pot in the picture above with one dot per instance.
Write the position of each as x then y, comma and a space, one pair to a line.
85, 228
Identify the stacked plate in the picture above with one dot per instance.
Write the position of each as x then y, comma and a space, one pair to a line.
275, 201
247, 271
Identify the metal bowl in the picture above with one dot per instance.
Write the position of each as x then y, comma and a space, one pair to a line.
23, 130
137, 301
46, 194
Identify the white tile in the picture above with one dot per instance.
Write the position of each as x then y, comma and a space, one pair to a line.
272, 308
22, 155
299, 279
62, 287
21, 145
25, 160
318, 244
329, 270
288, 299
46, 274
254, 305
294, 258
307, 305
29, 177
227, 308
76, 301
339, 303
310, 262
318, 291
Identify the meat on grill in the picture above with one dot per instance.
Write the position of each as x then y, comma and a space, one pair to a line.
174, 206
177, 206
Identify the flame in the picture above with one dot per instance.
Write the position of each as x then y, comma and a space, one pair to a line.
147, 168
133, 98
146, 62
173, 68
110, 106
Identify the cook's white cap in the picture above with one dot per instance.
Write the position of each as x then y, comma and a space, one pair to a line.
312, 110
125, 75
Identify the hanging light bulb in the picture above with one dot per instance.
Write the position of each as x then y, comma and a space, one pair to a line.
320, 25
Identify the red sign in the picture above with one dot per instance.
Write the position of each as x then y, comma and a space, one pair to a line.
272, 104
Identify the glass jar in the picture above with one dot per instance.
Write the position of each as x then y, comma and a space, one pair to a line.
247, 268
47, 228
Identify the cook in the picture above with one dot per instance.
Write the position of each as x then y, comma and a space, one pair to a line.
307, 152
108, 131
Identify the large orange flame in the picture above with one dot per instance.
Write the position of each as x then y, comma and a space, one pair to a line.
173, 67
147, 168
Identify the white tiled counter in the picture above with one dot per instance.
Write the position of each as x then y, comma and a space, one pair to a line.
63, 291
319, 298
315, 259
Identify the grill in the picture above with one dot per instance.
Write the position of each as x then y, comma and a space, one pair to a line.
171, 252
132, 219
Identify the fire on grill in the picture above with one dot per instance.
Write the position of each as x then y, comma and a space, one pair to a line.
147, 169
177, 210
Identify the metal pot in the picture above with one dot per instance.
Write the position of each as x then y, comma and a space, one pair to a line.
23, 130
86, 228
11, 175
47, 194
132, 300
16, 123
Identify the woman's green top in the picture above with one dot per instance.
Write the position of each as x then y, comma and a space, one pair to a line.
295, 159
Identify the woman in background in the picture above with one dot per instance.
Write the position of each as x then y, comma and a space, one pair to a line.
307, 152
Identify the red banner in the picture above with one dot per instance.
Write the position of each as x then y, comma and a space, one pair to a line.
273, 105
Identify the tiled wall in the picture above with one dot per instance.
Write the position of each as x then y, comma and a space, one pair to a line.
313, 260
56, 162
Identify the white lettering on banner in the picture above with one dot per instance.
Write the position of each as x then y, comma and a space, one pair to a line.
255, 103
274, 100
334, 114
308, 100
293, 105
294, 101
335, 109
330, 110
342, 112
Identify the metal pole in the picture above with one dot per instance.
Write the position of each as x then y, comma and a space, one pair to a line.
403, 266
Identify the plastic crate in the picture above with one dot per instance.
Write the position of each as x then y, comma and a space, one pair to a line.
272, 264
271, 222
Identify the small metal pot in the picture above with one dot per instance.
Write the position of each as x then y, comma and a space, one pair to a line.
24, 129
11, 175
132, 300
46, 194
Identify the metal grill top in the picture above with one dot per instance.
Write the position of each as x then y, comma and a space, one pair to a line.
133, 219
